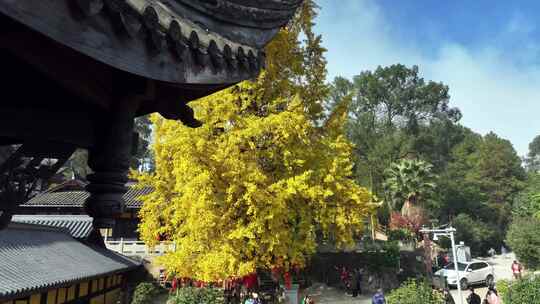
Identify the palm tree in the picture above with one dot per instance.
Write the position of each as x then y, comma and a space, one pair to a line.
407, 183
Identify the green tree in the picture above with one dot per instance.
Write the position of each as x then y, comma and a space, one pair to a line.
475, 233
527, 202
142, 158
391, 116
407, 183
532, 160
483, 179
523, 237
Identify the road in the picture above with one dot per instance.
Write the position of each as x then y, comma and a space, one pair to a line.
502, 268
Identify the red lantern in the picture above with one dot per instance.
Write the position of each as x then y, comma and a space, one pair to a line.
288, 280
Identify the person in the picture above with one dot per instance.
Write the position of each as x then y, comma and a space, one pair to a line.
249, 300
491, 252
504, 252
517, 269
446, 258
448, 299
359, 274
473, 298
354, 283
308, 300
492, 297
282, 296
256, 299
378, 297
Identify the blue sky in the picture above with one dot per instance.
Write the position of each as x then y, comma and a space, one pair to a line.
487, 52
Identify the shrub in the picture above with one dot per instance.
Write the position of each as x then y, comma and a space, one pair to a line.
401, 234
414, 292
524, 238
526, 291
502, 287
193, 295
145, 292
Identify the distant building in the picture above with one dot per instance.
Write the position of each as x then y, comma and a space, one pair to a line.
46, 265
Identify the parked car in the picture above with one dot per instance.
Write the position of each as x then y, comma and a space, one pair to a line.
470, 273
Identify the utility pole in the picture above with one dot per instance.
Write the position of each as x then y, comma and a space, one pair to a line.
448, 232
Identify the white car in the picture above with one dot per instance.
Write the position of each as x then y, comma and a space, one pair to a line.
470, 273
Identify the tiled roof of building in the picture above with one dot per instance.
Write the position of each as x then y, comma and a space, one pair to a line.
80, 226
77, 198
35, 258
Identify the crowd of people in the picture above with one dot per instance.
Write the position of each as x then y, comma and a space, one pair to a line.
351, 280
245, 290
492, 297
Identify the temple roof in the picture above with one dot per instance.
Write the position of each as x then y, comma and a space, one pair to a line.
187, 41
36, 258
79, 226
76, 198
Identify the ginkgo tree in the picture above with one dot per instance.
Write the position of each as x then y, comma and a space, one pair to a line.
262, 179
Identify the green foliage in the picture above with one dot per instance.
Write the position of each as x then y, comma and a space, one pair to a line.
382, 256
475, 233
408, 179
532, 161
502, 287
143, 158
401, 234
414, 292
145, 292
192, 295
390, 108
525, 291
524, 238
527, 202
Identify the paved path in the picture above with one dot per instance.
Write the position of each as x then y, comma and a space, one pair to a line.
323, 294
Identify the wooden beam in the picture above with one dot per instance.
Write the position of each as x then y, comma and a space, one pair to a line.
30, 124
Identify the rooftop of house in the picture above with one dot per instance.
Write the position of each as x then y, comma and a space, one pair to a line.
69, 195
35, 258
79, 226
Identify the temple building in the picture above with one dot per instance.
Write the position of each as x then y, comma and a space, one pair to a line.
63, 206
46, 265
75, 75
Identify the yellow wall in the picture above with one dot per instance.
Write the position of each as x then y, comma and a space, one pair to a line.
70, 294
35, 299
112, 296
51, 297
61, 299
94, 286
83, 289
98, 299
64, 295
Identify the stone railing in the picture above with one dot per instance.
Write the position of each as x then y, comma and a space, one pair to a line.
130, 247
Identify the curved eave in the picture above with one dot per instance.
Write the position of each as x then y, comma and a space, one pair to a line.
148, 41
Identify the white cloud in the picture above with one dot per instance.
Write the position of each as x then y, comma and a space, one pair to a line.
497, 89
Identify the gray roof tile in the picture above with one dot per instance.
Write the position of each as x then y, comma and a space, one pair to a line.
77, 198
80, 226
34, 257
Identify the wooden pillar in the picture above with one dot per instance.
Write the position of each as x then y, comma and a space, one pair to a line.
109, 159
